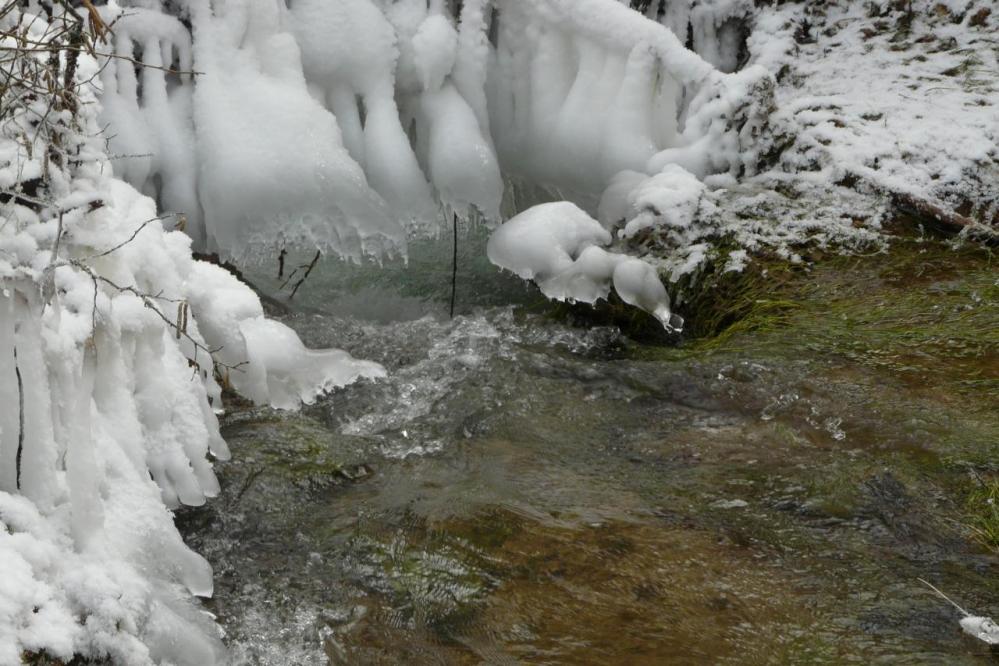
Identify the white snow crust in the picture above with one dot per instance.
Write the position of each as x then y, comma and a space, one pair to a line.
873, 103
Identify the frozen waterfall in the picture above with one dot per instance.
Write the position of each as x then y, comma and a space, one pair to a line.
349, 126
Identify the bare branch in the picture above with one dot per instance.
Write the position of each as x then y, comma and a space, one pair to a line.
130, 238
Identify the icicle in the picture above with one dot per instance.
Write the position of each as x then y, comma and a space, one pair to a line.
39, 462
350, 46
629, 135
343, 103
392, 167
114, 396
472, 62
552, 71
131, 137
462, 164
162, 417
170, 117
82, 474
9, 396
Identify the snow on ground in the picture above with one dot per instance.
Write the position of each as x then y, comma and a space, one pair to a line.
907, 102
872, 102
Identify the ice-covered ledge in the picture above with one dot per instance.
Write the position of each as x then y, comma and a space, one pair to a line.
346, 126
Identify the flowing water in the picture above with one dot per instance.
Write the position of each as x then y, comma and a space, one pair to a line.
521, 490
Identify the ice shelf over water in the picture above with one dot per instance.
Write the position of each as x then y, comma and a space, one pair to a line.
349, 126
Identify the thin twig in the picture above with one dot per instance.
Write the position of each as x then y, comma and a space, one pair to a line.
20, 417
130, 238
945, 597
454, 261
308, 270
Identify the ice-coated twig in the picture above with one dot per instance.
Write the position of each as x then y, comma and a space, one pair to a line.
981, 627
944, 596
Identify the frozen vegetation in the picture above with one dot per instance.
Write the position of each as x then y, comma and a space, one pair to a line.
654, 146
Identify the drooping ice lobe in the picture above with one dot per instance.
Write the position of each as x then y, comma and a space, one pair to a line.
561, 248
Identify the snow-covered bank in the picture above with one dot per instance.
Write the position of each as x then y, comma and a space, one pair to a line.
882, 108
902, 96
112, 339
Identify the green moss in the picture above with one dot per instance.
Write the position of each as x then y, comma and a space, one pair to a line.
717, 304
925, 311
434, 578
490, 529
982, 510
296, 448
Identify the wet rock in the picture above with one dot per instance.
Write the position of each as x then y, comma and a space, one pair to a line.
730, 504
913, 530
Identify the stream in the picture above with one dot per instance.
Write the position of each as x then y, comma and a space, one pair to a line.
523, 490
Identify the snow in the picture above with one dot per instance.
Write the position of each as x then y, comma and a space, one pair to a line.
154, 138
252, 111
616, 206
543, 241
584, 90
932, 130
294, 374
671, 197
435, 48
982, 628
838, 154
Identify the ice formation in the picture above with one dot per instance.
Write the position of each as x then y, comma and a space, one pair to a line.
560, 247
349, 125
714, 29
637, 202
111, 339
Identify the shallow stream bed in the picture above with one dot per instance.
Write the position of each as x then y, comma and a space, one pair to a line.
519, 490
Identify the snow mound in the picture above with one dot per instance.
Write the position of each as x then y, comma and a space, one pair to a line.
932, 130
671, 197
264, 360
